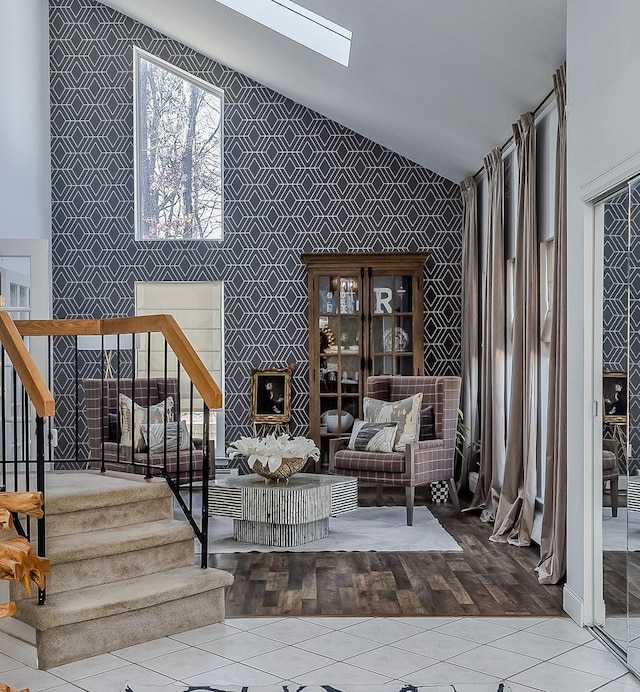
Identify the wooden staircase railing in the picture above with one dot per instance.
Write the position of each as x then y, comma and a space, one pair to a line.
188, 362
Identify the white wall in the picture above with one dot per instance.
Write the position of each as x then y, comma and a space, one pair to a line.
603, 149
25, 179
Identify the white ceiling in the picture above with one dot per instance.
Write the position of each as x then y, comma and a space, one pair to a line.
438, 81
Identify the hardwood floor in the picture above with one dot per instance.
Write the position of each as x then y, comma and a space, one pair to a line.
484, 579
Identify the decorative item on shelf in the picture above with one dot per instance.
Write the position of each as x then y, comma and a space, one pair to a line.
337, 421
275, 458
397, 335
327, 339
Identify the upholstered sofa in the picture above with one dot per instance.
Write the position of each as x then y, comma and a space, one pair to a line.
101, 407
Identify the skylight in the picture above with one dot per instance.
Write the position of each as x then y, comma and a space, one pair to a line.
299, 24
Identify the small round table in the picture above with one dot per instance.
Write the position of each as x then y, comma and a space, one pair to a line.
282, 514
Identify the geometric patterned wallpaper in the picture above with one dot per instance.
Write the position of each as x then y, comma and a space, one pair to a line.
294, 182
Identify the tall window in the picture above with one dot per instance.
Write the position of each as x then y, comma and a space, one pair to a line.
178, 169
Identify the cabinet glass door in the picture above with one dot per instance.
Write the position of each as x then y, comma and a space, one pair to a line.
340, 334
391, 303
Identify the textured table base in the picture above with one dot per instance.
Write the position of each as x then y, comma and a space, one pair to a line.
279, 535
279, 514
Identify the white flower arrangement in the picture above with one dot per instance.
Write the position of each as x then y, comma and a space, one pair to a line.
271, 450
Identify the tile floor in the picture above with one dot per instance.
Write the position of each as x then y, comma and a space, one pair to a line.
549, 654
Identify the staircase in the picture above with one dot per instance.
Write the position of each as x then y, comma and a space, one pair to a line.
123, 569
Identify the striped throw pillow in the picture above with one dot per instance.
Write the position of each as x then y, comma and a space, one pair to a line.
372, 437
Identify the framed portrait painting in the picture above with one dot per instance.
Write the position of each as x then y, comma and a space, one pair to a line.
614, 397
271, 396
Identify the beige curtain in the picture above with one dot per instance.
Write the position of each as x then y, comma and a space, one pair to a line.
469, 323
514, 517
553, 545
492, 396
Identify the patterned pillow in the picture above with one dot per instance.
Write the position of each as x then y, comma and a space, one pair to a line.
154, 437
130, 422
427, 423
372, 437
406, 413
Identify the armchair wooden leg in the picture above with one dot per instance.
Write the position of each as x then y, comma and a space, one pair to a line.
410, 493
453, 494
614, 497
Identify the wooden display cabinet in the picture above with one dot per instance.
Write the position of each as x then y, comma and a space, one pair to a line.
365, 318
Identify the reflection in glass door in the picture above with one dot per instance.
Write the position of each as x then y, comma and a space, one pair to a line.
614, 213
619, 217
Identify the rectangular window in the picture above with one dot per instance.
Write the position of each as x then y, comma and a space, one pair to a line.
198, 309
178, 153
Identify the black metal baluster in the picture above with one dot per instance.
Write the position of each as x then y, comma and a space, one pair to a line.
204, 540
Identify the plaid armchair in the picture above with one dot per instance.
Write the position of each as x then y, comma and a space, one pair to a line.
424, 461
103, 427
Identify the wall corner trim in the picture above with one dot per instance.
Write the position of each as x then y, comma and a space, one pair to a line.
573, 605
617, 174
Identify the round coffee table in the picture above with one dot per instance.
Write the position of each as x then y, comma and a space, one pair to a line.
282, 514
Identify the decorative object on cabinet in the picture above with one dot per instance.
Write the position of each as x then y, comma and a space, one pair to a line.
337, 421
365, 318
422, 462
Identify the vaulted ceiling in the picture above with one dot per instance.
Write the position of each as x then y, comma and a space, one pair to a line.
438, 81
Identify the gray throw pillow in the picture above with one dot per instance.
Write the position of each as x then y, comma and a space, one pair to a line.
372, 437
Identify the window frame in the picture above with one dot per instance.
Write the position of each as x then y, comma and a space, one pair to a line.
139, 54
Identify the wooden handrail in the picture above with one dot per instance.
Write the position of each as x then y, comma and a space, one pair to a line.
165, 324
25, 367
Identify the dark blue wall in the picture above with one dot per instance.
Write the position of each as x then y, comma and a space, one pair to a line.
294, 182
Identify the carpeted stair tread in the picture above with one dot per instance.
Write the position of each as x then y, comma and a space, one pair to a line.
120, 539
76, 491
119, 597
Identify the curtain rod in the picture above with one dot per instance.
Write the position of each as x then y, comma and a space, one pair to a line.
539, 108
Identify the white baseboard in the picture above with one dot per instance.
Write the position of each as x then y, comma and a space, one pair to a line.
573, 605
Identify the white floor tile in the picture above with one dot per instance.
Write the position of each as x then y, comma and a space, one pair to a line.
616, 686
436, 645
34, 680
492, 661
21, 651
205, 634
424, 621
530, 644
241, 646
9, 663
383, 630
516, 623
553, 678
157, 647
334, 623
177, 665
291, 631
66, 687
250, 623
114, 680
600, 663
289, 662
87, 667
475, 630
338, 645
564, 629
391, 661
447, 674
630, 680
234, 674
341, 674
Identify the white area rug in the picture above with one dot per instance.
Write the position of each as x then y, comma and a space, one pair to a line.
368, 528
